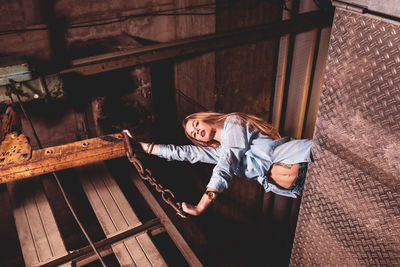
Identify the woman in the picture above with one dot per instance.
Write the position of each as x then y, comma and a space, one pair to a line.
239, 144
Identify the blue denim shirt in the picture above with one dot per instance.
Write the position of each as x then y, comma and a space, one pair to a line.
244, 151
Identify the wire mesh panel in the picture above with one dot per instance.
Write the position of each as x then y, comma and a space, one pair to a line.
350, 209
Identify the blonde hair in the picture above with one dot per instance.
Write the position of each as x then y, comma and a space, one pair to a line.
217, 120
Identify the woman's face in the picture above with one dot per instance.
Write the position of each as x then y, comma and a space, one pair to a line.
199, 130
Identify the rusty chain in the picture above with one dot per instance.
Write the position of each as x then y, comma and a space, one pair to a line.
166, 194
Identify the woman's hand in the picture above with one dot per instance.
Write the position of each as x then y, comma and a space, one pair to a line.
137, 147
203, 204
192, 209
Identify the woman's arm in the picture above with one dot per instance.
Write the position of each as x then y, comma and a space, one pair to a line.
189, 153
150, 148
208, 197
205, 201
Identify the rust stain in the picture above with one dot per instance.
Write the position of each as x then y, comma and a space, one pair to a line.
110, 139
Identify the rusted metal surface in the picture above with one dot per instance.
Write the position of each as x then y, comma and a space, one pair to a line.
14, 149
16, 69
167, 195
46, 87
10, 122
388, 7
66, 156
350, 212
196, 45
30, 87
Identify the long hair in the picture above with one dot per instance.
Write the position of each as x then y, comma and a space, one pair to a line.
216, 120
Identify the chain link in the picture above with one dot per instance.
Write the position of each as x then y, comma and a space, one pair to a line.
166, 194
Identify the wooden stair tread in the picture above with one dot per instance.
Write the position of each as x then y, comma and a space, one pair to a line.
115, 215
38, 232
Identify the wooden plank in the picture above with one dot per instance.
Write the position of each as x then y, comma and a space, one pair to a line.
176, 237
86, 254
115, 215
37, 230
66, 156
92, 258
315, 95
281, 71
198, 44
300, 77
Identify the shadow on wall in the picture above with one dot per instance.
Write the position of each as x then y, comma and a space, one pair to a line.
118, 100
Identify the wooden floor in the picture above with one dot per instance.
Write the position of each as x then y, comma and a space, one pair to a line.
37, 235
102, 196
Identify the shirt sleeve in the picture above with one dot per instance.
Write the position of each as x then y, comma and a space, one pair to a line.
234, 143
189, 153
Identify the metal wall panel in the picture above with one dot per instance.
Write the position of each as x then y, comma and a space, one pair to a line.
350, 212
389, 7
300, 76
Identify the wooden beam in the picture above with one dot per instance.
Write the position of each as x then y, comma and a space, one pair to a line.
176, 237
66, 156
198, 44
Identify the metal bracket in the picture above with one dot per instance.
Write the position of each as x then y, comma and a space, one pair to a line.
351, 7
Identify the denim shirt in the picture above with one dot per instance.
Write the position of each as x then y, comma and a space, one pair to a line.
245, 152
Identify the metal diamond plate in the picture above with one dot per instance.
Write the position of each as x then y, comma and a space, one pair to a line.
350, 213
